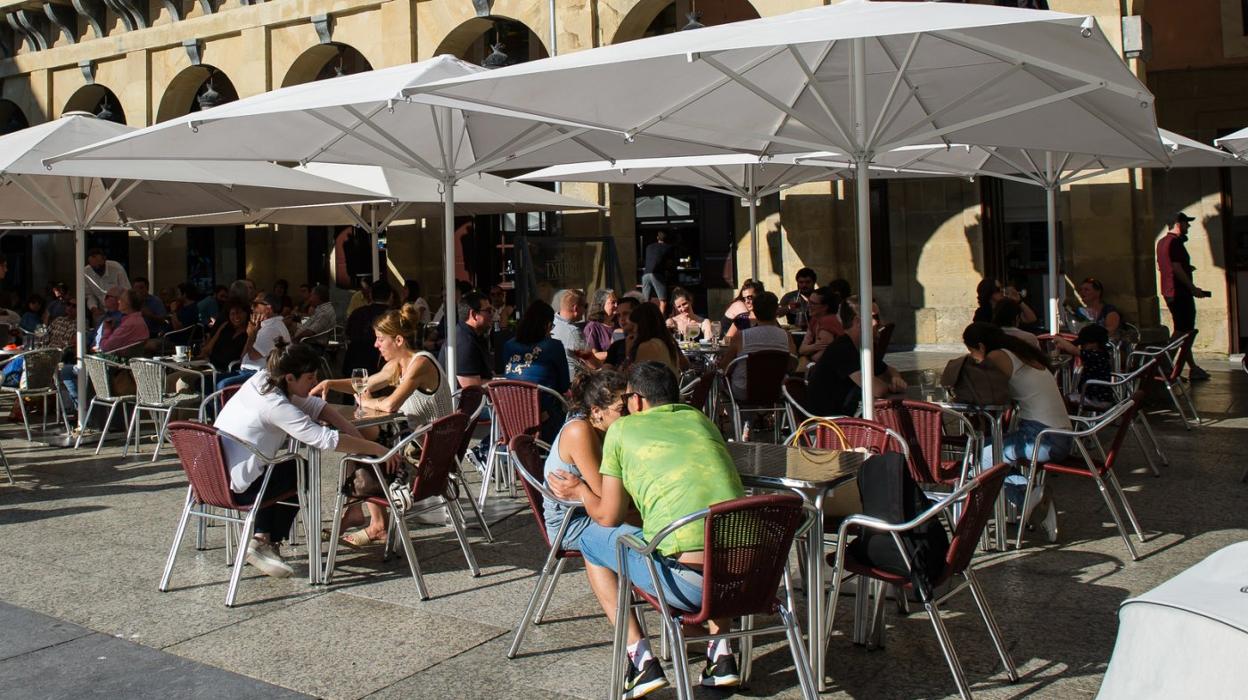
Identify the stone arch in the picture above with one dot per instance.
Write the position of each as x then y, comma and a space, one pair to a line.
98, 100
472, 40
184, 92
649, 17
325, 61
12, 118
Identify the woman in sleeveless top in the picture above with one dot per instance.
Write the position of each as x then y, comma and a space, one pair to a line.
653, 342
421, 392
597, 401
1034, 389
765, 335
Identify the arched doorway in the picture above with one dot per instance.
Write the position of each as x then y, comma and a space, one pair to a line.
12, 118
195, 88
97, 100
326, 61
654, 17
474, 42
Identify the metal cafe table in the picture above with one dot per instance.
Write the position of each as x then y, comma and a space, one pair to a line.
814, 474
365, 418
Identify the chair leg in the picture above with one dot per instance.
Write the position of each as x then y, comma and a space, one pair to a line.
21, 407
160, 434
409, 552
177, 538
487, 474
335, 532
1148, 456
680, 658
1174, 398
990, 621
801, 662
946, 646
1187, 396
133, 426
240, 557
461, 533
87, 420
1113, 512
1122, 497
1148, 428
875, 631
862, 601
485, 527
529, 616
550, 592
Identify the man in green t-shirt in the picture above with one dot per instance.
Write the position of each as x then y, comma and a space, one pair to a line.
669, 460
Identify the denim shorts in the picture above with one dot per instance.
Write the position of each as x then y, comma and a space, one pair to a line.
682, 586
1016, 449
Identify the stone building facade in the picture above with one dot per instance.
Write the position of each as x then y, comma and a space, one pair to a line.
144, 61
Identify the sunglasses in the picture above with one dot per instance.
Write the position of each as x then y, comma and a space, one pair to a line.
748, 299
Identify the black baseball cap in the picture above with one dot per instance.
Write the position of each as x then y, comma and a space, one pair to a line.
1180, 216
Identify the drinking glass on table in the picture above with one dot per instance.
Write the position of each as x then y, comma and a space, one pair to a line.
716, 327
928, 383
359, 384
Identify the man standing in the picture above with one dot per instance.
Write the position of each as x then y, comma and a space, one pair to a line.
669, 460
796, 304
654, 273
569, 310
474, 363
100, 275
1177, 287
836, 380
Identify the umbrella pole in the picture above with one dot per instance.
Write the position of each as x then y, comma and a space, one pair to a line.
151, 260
862, 189
372, 233
753, 196
448, 253
1050, 204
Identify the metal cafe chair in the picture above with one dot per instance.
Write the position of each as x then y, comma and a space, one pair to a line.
97, 373
38, 380
794, 393
470, 401
1169, 367
872, 436
439, 442
528, 456
1123, 387
926, 429
517, 410
153, 399
747, 544
765, 371
212, 405
976, 498
1081, 463
200, 452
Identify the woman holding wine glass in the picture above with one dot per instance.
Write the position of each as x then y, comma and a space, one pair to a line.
421, 393
684, 322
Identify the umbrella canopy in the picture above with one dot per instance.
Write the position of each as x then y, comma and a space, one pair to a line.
1236, 143
80, 196
858, 78
735, 174
1051, 170
364, 119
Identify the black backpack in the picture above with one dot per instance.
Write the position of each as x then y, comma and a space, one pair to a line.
890, 494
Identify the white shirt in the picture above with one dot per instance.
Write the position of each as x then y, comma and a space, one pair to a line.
98, 285
270, 330
264, 420
1037, 394
573, 339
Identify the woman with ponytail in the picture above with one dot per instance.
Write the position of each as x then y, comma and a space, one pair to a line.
420, 391
271, 406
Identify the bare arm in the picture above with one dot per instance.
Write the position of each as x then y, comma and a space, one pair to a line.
414, 380
579, 445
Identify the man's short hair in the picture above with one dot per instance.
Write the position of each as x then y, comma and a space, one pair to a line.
321, 292
136, 280
94, 252
661, 236
571, 299
654, 382
631, 302
473, 300
806, 272
381, 292
765, 306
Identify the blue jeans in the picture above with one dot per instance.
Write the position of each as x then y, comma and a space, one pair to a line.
69, 380
1017, 448
651, 282
233, 378
682, 586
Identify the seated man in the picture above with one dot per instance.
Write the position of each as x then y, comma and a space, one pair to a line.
669, 460
835, 383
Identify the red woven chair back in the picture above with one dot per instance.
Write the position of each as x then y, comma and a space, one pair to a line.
976, 510
438, 450
747, 547
199, 450
765, 371
858, 431
1124, 426
922, 426
516, 407
470, 398
529, 458
701, 390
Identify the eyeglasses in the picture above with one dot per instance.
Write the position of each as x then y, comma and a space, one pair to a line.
749, 299
628, 395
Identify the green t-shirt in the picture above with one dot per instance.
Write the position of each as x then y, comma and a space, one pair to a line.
673, 462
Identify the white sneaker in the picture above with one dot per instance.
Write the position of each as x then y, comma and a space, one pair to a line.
1049, 523
265, 557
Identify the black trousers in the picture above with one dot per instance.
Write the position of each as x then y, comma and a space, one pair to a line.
274, 520
1183, 311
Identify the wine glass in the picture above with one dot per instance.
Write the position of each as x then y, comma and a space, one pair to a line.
359, 383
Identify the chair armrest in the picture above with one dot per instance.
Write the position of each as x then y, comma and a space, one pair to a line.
267, 459
646, 549
543, 489
398, 446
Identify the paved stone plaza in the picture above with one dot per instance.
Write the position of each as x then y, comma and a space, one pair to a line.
84, 540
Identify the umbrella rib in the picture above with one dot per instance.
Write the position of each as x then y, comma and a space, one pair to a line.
109, 196
1097, 173
483, 165
787, 140
422, 164
813, 83
37, 193
993, 116
716, 173
929, 118
892, 89
767, 97
350, 131
1033, 174
1035, 167
699, 94
516, 139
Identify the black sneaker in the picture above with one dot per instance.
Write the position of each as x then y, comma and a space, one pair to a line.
1197, 374
645, 681
721, 672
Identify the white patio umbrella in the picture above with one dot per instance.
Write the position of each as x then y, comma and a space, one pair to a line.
81, 196
747, 177
364, 119
1236, 143
1052, 170
859, 78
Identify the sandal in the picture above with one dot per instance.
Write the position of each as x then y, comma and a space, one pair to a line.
360, 538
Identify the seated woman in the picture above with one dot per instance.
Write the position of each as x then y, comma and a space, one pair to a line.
684, 322
274, 404
824, 326
740, 313
130, 329
226, 344
766, 335
652, 340
597, 401
533, 356
1040, 405
420, 392
601, 327
1092, 294
1006, 315
33, 317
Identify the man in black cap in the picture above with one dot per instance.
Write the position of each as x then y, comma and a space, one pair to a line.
1177, 287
